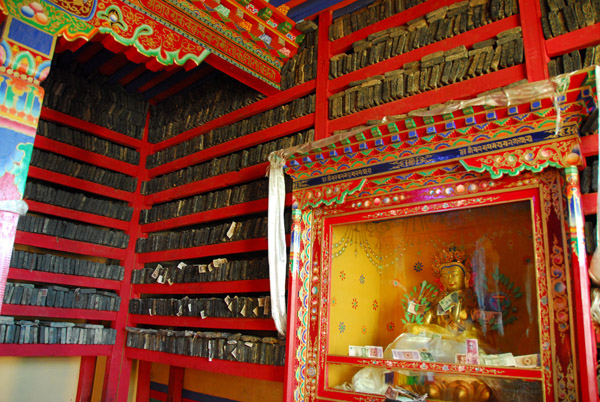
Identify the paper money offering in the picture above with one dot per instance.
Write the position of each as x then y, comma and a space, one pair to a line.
447, 302
527, 360
503, 359
426, 356
412, 355
375, 351
472, 351
413, 308
460, 358
357, 351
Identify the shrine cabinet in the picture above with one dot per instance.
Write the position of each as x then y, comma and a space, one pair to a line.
440, 253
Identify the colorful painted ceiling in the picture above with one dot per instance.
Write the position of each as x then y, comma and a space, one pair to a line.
251, 35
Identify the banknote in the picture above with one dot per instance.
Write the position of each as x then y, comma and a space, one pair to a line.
460, 358
374, 352
527, 360
426, 356
472, 351
503, 359
447, 302
412, 355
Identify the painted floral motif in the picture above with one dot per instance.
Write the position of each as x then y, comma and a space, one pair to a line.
395, 283
390, 326
375, 304
418, 267
342, 275
361, 279
342, 327
333, 301
354, 303
364, 330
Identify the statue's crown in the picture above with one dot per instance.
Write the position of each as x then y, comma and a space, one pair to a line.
449, 255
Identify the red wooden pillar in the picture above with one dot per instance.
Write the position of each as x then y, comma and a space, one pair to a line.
586, 347
143, 385
118, 366
87, 369
175, 393
322, 81
534, 45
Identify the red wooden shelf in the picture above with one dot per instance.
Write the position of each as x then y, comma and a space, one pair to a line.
247, 286
450, 368
460, 90
235, 247
255, 324
579, 39
394, 63
91, 128
343, 44
80, 184
240, 114
83, 155
69, 246
247, 141
248, 370
589, 203
62, 279
41, 349
87, 217
55, 312
212, 183
589, 145
232, 211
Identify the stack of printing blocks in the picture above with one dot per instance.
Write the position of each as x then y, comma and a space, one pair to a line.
211, 345
65, 265
77, 201
74, 231
60, 297
248, 228
433, 71
54, 333
102, 103
219, 269
66, 166
272, 117
228, 307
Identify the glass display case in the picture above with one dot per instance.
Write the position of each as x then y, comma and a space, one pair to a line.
434, 258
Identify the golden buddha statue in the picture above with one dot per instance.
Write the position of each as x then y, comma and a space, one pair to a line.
450, 313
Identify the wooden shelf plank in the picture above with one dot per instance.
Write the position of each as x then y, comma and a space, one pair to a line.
235, 247
343, 44
240, 114
247, 141
62, 279
91, 128
255, 324
247, 286
80, 184
248, 370
69, 246
575, 40
246, 208
83, 155
514, 372
212, 183
55, 312
42, 349
460, 90
35, 206
589, 145
394, 63
589, 203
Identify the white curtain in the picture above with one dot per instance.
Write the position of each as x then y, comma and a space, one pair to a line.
276, 240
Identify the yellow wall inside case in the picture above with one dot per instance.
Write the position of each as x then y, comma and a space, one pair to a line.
368, 295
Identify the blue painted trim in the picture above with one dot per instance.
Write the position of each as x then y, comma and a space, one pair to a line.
156, 386
31, 37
